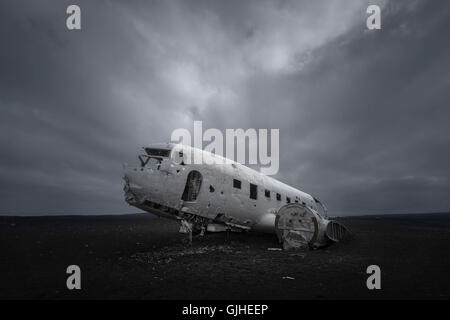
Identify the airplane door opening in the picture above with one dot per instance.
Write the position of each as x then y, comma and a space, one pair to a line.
192, 188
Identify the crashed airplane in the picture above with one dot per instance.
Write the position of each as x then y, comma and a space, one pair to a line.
225, 196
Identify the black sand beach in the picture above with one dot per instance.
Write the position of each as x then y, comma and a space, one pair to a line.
142, 257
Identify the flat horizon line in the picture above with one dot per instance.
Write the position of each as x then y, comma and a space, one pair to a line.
68, 215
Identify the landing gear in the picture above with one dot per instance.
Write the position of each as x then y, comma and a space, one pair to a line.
186, 227
192, 229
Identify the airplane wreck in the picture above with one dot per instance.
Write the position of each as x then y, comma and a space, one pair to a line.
225, 196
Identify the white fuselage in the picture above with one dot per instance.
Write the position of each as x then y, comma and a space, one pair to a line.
163, 188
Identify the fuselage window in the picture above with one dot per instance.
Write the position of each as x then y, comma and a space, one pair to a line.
192, 188
236, 184
253, 191
267, 193
288, 200
278, 197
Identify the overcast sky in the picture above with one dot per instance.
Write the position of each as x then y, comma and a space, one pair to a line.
363, 114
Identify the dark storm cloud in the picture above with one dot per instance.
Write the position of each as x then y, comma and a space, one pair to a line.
362, 114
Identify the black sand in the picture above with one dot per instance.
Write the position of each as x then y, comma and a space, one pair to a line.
141, 257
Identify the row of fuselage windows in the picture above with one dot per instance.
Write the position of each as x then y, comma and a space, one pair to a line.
254, 192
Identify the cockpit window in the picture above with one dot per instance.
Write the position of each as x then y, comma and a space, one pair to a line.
165, 153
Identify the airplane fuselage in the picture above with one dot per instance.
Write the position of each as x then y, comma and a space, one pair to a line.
218, 192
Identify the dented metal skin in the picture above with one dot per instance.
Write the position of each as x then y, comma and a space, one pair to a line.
205, 195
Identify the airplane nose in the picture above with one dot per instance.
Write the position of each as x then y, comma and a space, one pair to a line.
126, 186
130, 174
130, 184
129, 196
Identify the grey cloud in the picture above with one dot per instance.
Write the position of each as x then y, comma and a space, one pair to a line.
362, 114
